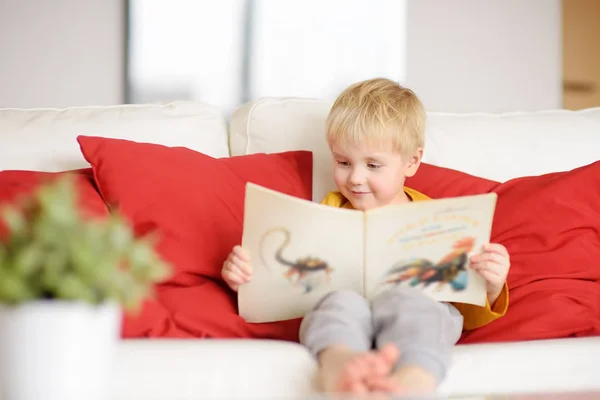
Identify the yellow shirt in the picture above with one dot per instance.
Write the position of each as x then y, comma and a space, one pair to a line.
474, 316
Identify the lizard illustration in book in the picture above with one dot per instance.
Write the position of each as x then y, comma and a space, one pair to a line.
451, 269
299, 270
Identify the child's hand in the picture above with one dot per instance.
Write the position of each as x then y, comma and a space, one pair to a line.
492, 264
237, 269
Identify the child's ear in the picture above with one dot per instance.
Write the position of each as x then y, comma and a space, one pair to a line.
414, 162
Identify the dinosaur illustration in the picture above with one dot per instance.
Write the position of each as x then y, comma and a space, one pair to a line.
451, 269
299, 270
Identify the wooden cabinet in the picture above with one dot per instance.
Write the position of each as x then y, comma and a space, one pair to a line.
581, 53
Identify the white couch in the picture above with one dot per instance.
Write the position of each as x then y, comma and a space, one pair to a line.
498, 147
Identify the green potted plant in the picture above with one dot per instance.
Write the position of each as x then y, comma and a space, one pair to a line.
64, 280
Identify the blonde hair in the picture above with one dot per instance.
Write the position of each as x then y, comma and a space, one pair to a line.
375, 111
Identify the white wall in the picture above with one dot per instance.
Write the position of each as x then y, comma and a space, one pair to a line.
463, 55
61, 53
495, 55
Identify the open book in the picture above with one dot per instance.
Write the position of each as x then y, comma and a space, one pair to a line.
302, 250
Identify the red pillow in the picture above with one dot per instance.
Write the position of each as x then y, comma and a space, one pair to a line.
195, 203
15, 184
550, 225
439, 182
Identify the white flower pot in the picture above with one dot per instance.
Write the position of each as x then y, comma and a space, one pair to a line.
58, 350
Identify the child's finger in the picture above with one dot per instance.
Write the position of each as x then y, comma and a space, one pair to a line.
233, 286
234, 276
490, 265
490, 258
242, 266
496, 248
485, 267
489, 276
241, 253
231, 267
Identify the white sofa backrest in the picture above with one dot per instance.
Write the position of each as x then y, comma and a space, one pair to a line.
45, 139
510, 145
271, 125
493, 146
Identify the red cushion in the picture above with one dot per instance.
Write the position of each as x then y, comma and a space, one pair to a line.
15, 184
550, 225
195, 203
439, 182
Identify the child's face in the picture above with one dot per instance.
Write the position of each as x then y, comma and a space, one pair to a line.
371, 177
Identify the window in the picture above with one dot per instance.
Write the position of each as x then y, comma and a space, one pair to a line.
228, 52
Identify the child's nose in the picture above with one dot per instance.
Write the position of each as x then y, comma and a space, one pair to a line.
357, 177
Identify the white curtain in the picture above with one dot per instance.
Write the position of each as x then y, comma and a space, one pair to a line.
186, 49
314, 48
227, 52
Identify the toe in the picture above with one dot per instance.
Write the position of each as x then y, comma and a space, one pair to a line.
383, 384
358, 388
390, 353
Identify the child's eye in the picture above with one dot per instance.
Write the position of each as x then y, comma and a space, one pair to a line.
343, 163
373, 166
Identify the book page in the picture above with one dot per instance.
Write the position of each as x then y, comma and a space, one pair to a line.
300, 251
427, 245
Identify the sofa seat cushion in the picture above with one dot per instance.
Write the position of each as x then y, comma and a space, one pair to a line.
265, 369
195, 204
214, 369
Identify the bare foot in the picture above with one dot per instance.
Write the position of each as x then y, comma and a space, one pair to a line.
410, 380
343, 370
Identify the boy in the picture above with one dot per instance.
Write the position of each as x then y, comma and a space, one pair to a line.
376, 134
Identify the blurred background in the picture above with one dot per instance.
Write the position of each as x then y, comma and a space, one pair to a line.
458, 55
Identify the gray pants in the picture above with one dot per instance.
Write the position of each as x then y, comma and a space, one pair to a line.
424, 330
